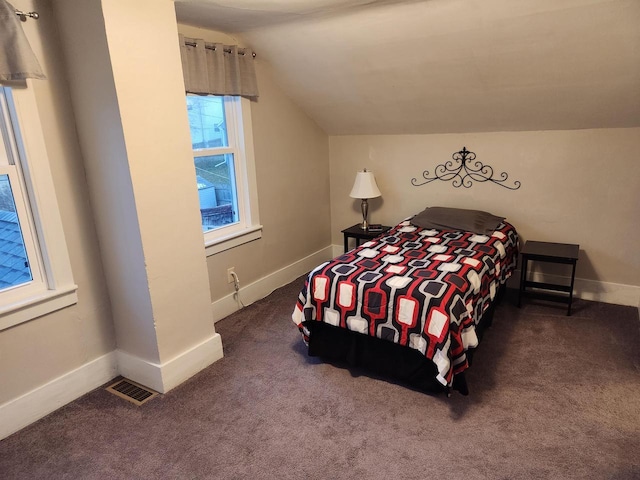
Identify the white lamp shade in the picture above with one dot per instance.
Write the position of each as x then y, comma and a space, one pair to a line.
365, 186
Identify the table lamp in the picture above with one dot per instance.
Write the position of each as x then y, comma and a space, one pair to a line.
365, 187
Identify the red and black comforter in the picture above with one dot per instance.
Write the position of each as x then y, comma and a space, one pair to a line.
420, 288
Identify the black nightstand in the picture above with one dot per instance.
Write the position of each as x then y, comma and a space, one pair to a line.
359, 234
564, 253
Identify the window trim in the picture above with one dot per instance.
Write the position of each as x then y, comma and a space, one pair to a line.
240, 139
58, 289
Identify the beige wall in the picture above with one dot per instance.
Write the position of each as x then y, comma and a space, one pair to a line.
43, 349
292, 172
141, 178
291, 155
578, 186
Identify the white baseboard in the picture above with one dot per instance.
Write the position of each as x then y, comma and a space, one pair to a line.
605, 292
26, 409
33, 405
163, 377
265, 285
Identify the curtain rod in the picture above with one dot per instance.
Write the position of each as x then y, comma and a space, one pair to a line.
227, 50
23, 15
35, 15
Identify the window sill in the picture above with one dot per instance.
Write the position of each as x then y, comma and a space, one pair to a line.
37, 305
233, 240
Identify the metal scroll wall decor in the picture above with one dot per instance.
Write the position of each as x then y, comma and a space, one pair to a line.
463, 170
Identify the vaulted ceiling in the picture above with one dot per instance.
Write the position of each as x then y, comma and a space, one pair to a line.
439, 66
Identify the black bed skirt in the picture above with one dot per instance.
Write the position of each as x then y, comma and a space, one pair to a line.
384, 358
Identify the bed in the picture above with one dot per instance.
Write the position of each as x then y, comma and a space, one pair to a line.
411, 304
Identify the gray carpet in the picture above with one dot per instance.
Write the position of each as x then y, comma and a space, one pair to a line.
552, 397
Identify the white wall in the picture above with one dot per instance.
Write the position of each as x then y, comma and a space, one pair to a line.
578, 186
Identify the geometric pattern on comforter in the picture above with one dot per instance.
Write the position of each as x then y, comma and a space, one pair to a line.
421, 288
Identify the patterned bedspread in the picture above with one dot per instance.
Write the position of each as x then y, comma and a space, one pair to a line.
424, 289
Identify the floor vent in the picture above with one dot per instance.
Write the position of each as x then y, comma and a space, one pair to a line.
131, 391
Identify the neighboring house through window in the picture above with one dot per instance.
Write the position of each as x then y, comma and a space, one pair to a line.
35, 274
225, 172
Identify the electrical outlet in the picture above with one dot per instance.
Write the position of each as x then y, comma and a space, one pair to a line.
229, 274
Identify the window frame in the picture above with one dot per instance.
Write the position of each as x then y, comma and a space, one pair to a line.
240, 144
54, 288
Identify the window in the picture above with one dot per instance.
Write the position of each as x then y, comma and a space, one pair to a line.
35, 276
225, 172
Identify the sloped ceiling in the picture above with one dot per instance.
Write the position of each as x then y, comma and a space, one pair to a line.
439, 66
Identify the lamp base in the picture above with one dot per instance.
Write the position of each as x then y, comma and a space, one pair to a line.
365, 212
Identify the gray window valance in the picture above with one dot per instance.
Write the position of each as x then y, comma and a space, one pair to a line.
17, 60
217, 69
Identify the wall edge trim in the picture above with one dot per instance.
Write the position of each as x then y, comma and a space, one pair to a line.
586, 289
41, 401
262, 287
167, 375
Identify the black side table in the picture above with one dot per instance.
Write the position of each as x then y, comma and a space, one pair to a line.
357, 232
564, 253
